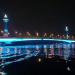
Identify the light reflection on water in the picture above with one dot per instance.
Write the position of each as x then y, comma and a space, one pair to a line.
11, 54
60, 49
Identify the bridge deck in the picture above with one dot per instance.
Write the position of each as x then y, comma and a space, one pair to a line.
10, 40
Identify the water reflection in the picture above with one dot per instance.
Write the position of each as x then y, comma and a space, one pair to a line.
60, 49
11, 54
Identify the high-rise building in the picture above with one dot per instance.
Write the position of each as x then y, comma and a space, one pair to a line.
5, 20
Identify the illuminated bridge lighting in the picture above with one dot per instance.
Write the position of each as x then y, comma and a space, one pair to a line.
19, 48
61, 40
9, 40
17, 52
16, 39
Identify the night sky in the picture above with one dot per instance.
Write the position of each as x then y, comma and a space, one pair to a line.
38, 16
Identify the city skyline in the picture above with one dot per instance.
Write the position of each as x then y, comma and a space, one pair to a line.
39, 17
37, 37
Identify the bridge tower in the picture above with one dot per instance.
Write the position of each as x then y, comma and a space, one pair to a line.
66, 29
5, 20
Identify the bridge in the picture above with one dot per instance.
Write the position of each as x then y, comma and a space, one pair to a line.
18, 49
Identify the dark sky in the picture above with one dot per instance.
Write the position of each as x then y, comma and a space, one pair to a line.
51, 16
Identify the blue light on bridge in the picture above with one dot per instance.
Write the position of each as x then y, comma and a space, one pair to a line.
25, 39
16, 39
9, 40
61, 40
8, 52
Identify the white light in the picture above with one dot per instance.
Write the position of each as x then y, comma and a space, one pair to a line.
16, 32
39, 60
2, 73
66, 28
5, 19
5, 16
1, 31
68, 68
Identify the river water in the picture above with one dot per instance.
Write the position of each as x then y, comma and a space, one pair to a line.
12, 58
